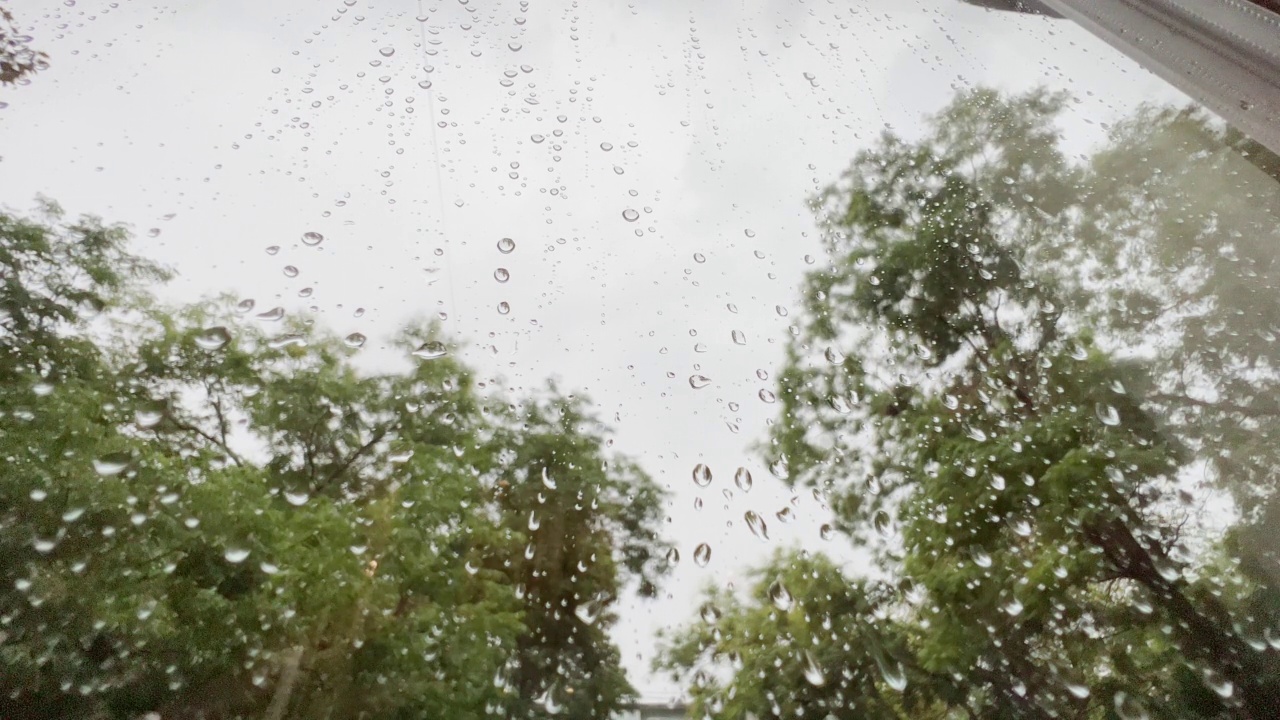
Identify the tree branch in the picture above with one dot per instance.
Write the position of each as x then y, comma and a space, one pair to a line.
346, 464
221, 444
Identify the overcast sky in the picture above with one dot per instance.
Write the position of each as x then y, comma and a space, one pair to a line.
415, 135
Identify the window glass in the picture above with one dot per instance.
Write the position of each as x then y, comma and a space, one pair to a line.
882, 359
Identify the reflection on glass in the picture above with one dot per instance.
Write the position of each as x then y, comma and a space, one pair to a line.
1005, 448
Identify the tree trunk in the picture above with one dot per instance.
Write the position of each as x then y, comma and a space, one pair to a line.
1204, 633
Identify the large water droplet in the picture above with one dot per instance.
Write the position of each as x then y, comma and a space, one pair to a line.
297, 499
697, 382
739, 337
235, 555
767, 395
742, 478
894, 674
839, 404
710, 614
355, 340
630, 215
1220, 685
1128, 707
547, 480
1014, 607
780, 596
701, 475
1108, 415
702, 554
812, 672
501, 275
673, 557
312, 238
590, 611
112, 463
506, 246
780, 468
431, 350
149, 415
289, 340
1078, 690
387, 51
1020, 526
756, 524
883, 524
214, 338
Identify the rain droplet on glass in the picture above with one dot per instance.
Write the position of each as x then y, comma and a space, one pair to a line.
214, 338
701, 475
702, 554
430, 350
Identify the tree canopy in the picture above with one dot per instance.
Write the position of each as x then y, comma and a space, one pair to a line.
203, 519
1021, 378
18, 60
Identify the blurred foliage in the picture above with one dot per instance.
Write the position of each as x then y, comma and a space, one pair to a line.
1040, 394
18, 60
203, 520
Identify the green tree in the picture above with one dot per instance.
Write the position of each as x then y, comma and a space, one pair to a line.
586, 522
206, 521
18, 59
997, 378
809, 641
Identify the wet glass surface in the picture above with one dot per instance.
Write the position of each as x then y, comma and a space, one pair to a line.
545, 359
